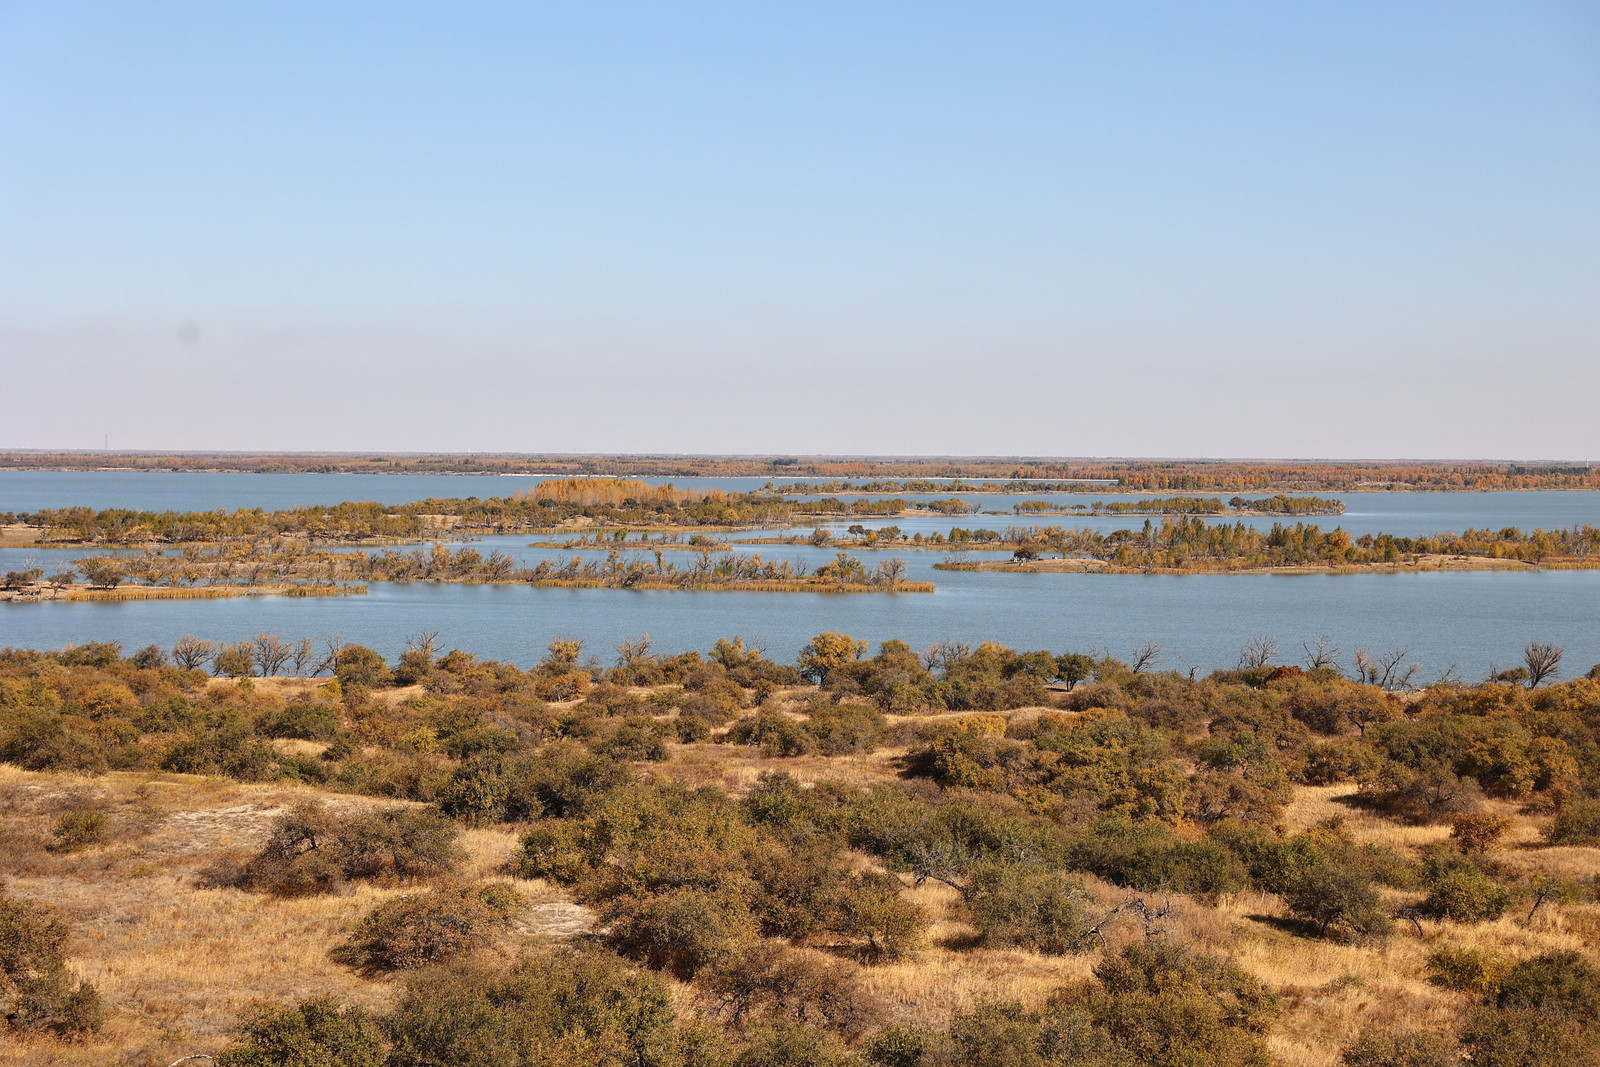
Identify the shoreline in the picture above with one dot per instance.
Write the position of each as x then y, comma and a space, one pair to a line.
1419, 565
86, 594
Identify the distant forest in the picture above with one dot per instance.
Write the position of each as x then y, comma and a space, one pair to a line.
1159, 475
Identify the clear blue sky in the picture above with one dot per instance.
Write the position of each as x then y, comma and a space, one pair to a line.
1243, 229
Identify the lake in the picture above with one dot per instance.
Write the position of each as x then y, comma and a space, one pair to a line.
1467, 620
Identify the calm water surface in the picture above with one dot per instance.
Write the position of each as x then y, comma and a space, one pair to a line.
1465, 620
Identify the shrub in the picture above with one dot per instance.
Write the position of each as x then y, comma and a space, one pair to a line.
1469, 970
1377, 1048
1563, 982
1333, 896
37, 994
1128, 853
1332, 762
554, 849
313, 1033
566, 1007
776, 733
495, 789
224, 748
79, 828
843, 729
1578, 823
1543, 1014
1154, 1004
680, 931
1030, 906
567, 779
898, 1046
1458, 890
1426, 793
359, 665
691, 728
869, 908
795, 1046
637, 739
314, 850
778, 984
303, 720
425, 928
1478, 831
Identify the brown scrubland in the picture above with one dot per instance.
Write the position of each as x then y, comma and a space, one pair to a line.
959, 855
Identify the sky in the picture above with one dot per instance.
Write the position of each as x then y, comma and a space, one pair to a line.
1351, 230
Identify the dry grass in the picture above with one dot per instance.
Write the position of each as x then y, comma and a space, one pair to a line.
1314, 804
177, 962
737, 768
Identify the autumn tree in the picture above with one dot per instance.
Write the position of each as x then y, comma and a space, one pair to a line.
827, 652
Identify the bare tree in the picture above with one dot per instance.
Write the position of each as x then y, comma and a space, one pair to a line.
1144, 657
945, 654
1324, 655
1389, 670
333, 647
300, 656
1451, 675
1543, 660
191, 653
1258, 651
426, 642
271, 653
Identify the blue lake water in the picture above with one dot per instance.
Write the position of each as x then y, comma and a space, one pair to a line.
1466, 620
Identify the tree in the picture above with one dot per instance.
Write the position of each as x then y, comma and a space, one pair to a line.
1074, 667
1257, 651
1144, 657
300, 657
891, 571
270, 652
1324, 655
1543, 660
15, 580
826, 653
234, 661
191, 653
101, 573
1388, 671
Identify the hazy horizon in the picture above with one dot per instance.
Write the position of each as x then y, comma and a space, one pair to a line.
1362, 231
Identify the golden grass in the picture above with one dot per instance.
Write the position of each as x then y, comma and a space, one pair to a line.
178, 963
1314, 804
175, 962
737, 768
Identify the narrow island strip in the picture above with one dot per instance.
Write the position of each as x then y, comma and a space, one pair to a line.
1191, 546
292, 568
